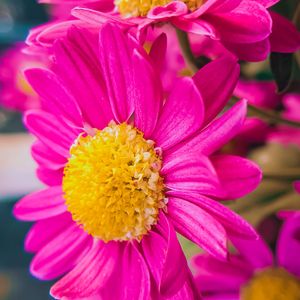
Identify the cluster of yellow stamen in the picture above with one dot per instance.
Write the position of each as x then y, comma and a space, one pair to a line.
136, 8
272, 284
112, 184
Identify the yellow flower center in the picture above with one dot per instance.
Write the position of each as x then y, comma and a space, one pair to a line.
135, 8
272, 284
112, 184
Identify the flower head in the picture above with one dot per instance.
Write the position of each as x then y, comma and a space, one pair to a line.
126, 168
16, 93
230, 23
255, 273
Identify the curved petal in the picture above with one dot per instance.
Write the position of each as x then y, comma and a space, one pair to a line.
238, 176
43, 231
51, 131
61, 254
78, 66
237, 25
116, 51
148, 97
263, 255
54, 97
191, 171
161, 249
90, 274
285, 37
217, 133
231, 221
215, 276
46, 157
179, 119
170, 10
198, 226
288, 245
216, 82
40, 205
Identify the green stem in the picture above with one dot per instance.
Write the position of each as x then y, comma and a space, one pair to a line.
271, 116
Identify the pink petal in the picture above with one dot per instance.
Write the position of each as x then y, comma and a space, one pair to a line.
237, 25
158, 52
148, 95
46, 157
50, 177
43, 231
191, 172
90, 274
40, 205
54, 97
115, 51
252, 52
200, 27
179, 119
161, 249
288, 245
79, 68
51, 131
217, 133
285, 37
231, 221
238, 176
259, 93
135, 275
198, 226
216, 276
263, 255
214, 6
170, 10
216, 82
61, 254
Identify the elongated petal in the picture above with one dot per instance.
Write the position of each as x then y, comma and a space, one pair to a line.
115, 52
195, 224
216, 82
60, 254
231, 221
40, 205
217, 133
78, 66
263, 255
179, 119
238, 176
288, 245
237, 25
54, 97
170, 279
43, 231
135, 276
191, 172
285, 37
46, 157
51, 131
148, 98
90, 274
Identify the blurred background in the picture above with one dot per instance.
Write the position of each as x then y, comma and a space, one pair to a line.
16, 168
17, 174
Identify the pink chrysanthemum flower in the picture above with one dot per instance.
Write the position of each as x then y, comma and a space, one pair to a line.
126, 168
255, 273
16, 93
229, 22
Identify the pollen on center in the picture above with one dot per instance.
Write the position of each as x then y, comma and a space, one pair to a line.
136, 8
112, 184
